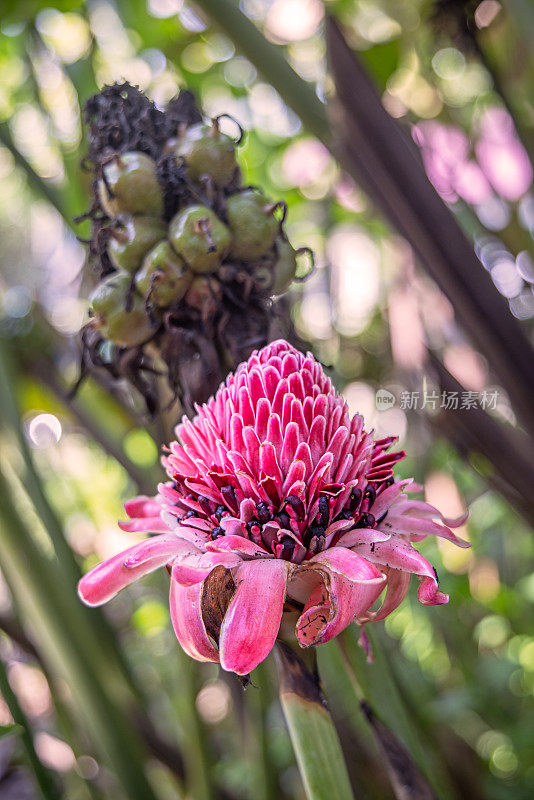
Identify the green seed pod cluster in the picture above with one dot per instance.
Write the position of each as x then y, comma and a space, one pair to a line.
182, 249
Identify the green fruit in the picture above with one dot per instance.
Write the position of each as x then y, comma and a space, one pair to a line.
200, 238
130, 243
164, 277
284, 268
209, 152
252, 223
131, 186
124, 328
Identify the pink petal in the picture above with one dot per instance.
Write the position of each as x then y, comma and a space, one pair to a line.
236, 544
397, 588
387, 497
362, 536
416, 525
191, 569
192, 530
348, 585
251, 623
144, 525
400, 555
184, 602
142, 506
429, 511
104, 581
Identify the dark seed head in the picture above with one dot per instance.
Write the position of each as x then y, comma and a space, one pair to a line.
315, 531
229, 497
317, 544
189, 514
324, 511
355, 498
288, 546
370, 493
366, 520
296, 504
216, 532
220, 511
284, 519
262, 510
345, 514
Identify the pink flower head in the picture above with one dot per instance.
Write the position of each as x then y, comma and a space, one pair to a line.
276, 500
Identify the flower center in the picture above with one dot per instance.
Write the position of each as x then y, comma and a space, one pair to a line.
290, 531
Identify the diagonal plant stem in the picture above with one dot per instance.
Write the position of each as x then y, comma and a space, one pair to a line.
9, 418
42, 594
382, 157
379, 154
39, 186
43, 776
473, 430
47, 375
266, 57
405, 777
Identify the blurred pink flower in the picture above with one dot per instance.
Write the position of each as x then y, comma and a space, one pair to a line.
502, 162
276, 500
443, 149
471, 184
501, 155
305, 161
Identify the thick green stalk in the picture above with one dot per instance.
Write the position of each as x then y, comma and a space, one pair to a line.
42, 775
39, 586
268, 60
314, 737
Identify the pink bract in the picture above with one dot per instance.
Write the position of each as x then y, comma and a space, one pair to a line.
276, 500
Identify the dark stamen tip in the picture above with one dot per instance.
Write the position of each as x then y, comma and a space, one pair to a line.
366, 520
262, 510
288, 547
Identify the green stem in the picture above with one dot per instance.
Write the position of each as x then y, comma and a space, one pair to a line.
268, 60
40, 588
39, 186
314, 737
42, 775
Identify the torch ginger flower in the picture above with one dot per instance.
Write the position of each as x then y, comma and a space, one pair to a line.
276, 500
